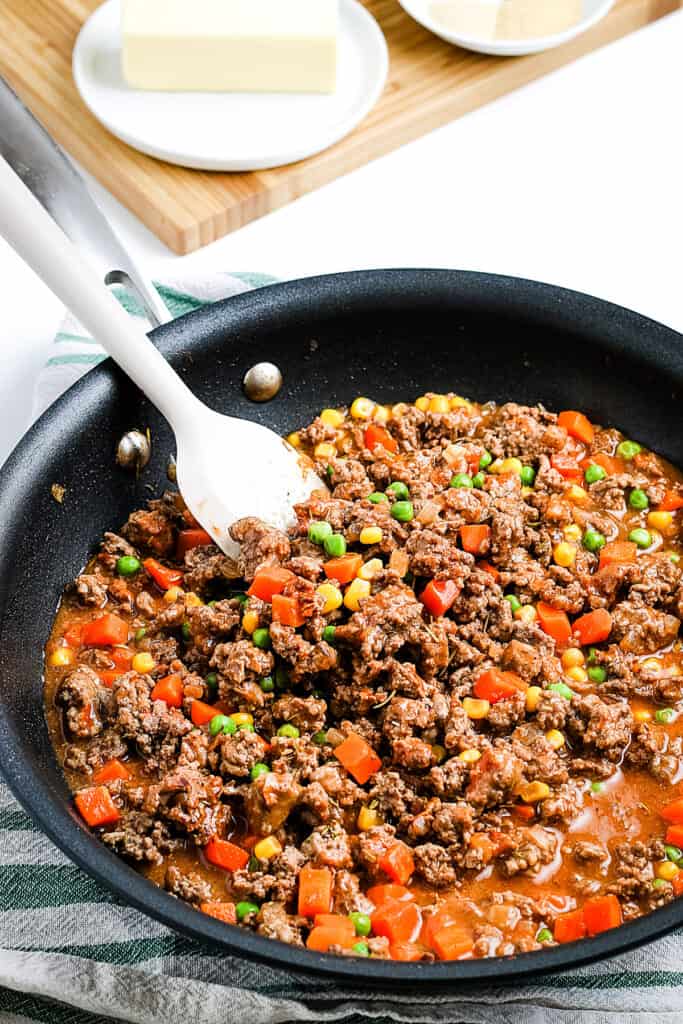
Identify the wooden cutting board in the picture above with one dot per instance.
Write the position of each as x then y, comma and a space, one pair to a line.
430, 83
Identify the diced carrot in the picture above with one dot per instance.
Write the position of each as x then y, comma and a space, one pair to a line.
674, 835
224, 854
96, 806
358, 757
577, 425
408, 952
321, 938
452, 942
110, 771
438, 596
189, 539
72, 636
375, 435
109, 676
397, 862
163, 576
169, 689
618, 552
594, 627
449, 912
483, 844
601, 913
475, 537
570, 927
315, 891
673, 812
121, 657
221, 911
201, 713
397, 921
379, 894
287, 610
490, 569
334, 921
270, 581
609, 463
494, 685
106, 631
343, 569
671, 502
553, 622
567, 466
677, 884
524, 811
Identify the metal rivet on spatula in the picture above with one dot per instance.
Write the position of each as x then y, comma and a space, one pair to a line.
262, 382
134, 450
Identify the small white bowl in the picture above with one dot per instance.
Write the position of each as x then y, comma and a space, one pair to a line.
593, 11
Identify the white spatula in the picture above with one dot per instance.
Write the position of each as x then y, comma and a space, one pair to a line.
227, 468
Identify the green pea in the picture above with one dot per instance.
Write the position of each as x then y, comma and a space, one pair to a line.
320, 738
254, 864
597, 787
399, 490
288, 730
186, 631
485, 460
593, 540
330, 471
629, 449
140, 634
665, 715
261, 638
528, 476
597, 674
258, 770
267, 684
461, 480
361, 922
594, 473
659, 883
673, 853
402, 511
673, 557
478, 480
638, 499
211, 681
317, 532
361, 949
328, 634
335, 545
514, 602
640, 537
244, 908
376, 497
592, 654
562, 689
235, 595
128, 565
221, 723
545, 935
246, 727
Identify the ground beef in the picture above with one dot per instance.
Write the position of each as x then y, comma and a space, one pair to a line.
190, 886
141, 837
236, 755
240, 667
151, 530
605, 727
208, 565
306, 713
434, 864
642, 630
274, 922
80, 695
90, 590
260, 545
269, 800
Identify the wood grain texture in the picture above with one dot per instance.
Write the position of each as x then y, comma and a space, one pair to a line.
430, 83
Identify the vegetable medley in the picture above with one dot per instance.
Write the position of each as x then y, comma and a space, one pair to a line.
440, 719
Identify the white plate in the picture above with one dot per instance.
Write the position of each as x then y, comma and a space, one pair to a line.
230, 131
593, 11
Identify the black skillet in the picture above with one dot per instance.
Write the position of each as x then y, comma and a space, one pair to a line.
390, 335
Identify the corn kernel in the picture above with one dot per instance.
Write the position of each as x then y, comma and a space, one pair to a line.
398, 410
555, 738
143, 662
193, 600
576, 494
438, 753
332, 417
667, 870
422, 403
532, 792
368, 818
470, 756
661, 521
475, 708
572, 532
651, 665
642, 715
362, 409
370, 535
369, 569
356, 591
61, 657
564, 554
573, 657
267, 848
249, 622
533, 697
173, 594
242, 718
526, 491
527, 613
511, 466
439, 403
325, 450
332, 596
382, 413
577, 674
458, 402
495, 466
294, 439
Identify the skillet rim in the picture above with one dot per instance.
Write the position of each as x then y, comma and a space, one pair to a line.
620, 329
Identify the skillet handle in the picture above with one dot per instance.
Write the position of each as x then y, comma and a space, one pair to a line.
46, 171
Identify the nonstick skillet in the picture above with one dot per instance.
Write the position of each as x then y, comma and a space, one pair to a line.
388, 334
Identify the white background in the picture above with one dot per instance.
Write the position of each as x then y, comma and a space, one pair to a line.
575, 179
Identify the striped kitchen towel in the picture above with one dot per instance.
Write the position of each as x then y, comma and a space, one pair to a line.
71, 953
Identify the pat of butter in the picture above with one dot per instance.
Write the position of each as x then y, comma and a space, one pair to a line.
476, 18
231, 45
526, 19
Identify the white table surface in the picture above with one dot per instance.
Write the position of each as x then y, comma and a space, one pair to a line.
575, 179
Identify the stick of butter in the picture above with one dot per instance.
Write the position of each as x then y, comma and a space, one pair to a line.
231, 45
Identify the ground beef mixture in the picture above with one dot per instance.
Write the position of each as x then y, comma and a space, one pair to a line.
439, 719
